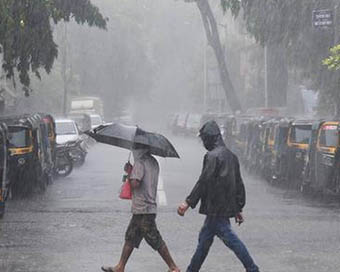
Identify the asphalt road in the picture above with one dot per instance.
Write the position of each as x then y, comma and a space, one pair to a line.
79, 223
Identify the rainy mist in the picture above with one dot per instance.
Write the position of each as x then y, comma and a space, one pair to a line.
216, 113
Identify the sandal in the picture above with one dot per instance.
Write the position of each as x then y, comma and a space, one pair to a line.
108, 269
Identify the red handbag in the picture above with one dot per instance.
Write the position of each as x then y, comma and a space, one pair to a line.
125, 191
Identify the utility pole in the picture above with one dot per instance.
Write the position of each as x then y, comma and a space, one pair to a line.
205, 71
266, 76
335, 24
336, 41
2, 102
2, 75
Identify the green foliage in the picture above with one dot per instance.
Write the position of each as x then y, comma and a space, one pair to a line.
26, 35
233, 5
330, 96
333, 61
289, 23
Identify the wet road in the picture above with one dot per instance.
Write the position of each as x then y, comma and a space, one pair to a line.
79, 223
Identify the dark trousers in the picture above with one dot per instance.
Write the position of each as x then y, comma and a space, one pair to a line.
220, 226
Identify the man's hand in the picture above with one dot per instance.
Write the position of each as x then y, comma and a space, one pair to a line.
128, 168
239, 219
182, 208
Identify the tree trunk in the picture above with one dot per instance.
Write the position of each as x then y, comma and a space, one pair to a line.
2, 85
63, 70
277, 76
213, 37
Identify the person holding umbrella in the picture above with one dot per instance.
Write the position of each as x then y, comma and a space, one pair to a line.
144, 182
222, 194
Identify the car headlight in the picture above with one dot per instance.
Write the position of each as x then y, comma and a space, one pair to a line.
21, 161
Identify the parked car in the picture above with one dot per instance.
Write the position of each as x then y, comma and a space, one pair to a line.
321, 172
67, 131
3, 168
83, 120
193, 123
30, 158
180, 123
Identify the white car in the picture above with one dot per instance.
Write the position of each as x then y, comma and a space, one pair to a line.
193, 123
67, 130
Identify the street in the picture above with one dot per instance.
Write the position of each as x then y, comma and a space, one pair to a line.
78, 224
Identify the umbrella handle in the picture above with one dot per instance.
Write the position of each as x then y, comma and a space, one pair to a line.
129, 156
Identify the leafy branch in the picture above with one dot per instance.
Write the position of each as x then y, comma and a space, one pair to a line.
26, 35
233, 5
333, 61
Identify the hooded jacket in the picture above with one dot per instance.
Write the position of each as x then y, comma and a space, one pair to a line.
220, 187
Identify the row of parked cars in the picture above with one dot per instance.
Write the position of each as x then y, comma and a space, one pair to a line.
35, 149
295, 153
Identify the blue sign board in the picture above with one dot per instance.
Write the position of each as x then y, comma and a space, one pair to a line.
323, 18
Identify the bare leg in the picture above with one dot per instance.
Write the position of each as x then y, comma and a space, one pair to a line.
126, 253
165, 254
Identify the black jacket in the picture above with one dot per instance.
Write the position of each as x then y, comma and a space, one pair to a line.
220, 187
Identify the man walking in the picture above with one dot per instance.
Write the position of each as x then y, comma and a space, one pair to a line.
222, 194
144, 181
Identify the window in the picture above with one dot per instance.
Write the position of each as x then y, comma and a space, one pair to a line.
272, 133
19, 137
300, 134
65, 128
329, 136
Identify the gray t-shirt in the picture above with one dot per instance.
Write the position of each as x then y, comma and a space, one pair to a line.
146, 170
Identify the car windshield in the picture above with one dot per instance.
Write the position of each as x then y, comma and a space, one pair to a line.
65, 128
19, 137
96, 120
329, 136
301, 134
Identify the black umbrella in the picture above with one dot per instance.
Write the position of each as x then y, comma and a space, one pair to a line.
131, 136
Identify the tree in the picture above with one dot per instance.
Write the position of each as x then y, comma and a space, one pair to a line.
332, 93
213, 38
287, 24
333, 61
26, 35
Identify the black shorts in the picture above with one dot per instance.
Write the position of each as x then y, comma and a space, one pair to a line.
144, 226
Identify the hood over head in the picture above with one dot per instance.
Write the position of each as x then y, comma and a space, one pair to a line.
211, 135
210, 128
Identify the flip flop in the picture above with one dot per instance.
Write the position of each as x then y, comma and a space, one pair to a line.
108, 269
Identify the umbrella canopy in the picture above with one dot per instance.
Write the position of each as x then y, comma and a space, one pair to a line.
128, 136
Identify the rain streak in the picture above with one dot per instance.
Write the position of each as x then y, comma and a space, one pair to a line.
173, 135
